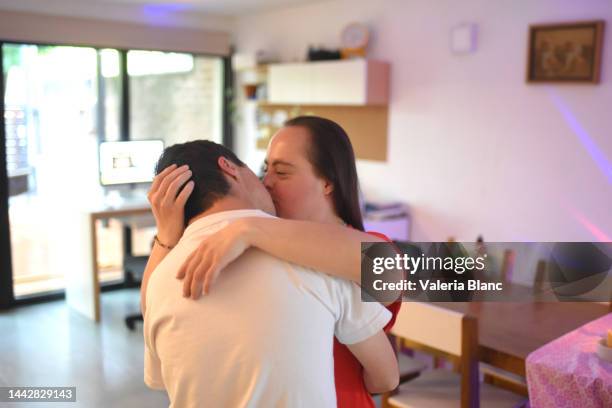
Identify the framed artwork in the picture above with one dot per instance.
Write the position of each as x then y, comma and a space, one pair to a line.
567, 52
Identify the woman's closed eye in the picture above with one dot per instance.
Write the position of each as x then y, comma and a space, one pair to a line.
281, 170
277, 171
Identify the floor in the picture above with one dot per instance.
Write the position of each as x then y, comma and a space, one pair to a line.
49, 345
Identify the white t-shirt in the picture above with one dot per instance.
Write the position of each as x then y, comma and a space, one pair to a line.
262, 337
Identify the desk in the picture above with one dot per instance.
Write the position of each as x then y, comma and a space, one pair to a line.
508, 332
82, 277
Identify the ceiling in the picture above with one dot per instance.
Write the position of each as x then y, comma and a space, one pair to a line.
219, 7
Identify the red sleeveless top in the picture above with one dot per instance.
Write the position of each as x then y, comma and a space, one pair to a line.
348, 372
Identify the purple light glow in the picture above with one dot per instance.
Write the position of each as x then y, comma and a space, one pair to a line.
596, 154
157, 13
597, 233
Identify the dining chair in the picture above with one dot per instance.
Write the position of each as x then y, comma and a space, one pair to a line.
507, 265
493, 375
409, 366
540, 276
439, 331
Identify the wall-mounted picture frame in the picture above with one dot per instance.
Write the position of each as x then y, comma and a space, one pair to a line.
565, 52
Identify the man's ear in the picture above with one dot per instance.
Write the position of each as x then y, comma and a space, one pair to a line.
228, 167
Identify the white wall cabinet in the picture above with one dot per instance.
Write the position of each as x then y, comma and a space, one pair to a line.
345, 82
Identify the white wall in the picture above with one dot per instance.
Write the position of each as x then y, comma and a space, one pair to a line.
472, 147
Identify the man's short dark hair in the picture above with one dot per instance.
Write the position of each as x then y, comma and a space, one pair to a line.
209, 181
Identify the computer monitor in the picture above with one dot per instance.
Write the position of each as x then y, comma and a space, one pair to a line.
129, 162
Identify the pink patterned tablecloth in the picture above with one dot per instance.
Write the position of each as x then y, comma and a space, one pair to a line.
567, 371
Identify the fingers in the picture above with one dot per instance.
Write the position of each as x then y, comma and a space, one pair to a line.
186, 272
158, 179
195, 272
198, 276
204, 264
209, 279
168, 179
192, 283
183, 270
196, 284
185, 193
173, 188
187, 283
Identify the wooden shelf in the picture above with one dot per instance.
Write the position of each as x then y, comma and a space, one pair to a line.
365, 125
353, 93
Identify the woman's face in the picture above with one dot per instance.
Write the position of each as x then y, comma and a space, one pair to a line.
297, 192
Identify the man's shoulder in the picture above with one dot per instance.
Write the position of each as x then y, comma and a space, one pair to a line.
212, 221
256, 259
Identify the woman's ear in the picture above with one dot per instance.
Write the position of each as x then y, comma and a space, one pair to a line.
228, 167
328, 187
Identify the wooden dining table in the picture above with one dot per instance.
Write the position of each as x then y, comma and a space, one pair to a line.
509, 331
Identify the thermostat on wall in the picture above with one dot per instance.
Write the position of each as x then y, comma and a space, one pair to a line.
463, 39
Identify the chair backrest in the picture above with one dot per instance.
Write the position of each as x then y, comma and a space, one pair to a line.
448, 331
540, 276
507, 265
430, 325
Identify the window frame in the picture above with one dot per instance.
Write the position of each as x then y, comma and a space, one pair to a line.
7, 297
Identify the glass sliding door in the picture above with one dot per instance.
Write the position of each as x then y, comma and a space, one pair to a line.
174, 97
51, 149
110, 233
60, 102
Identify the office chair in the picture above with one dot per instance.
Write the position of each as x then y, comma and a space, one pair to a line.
134, 267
